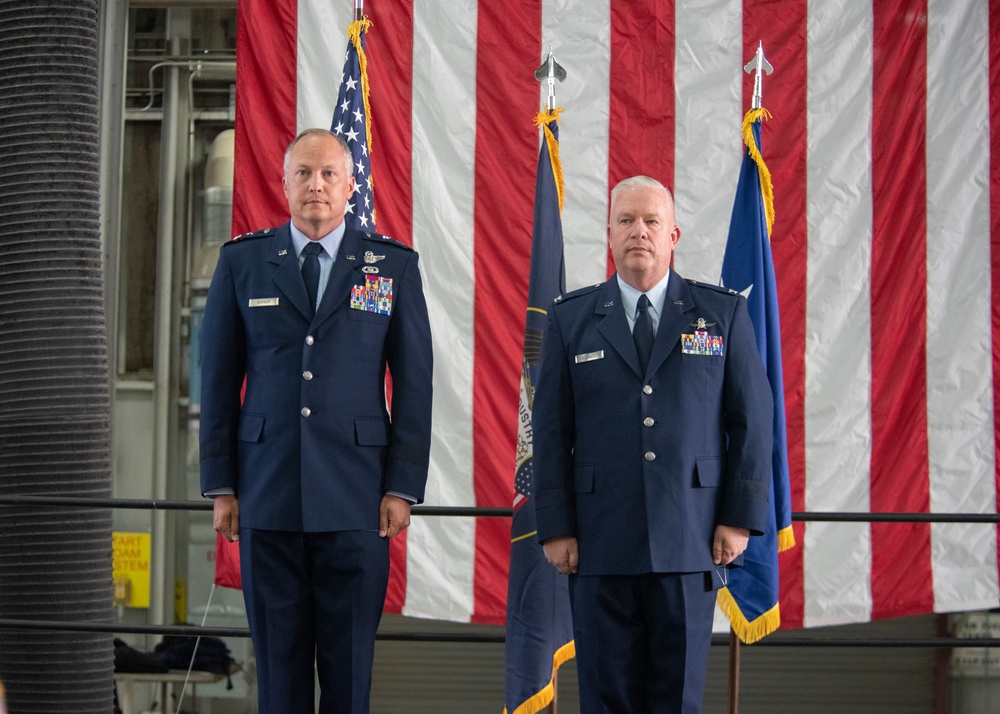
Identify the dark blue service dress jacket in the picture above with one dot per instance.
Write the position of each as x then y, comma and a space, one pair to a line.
640, 468
312, 447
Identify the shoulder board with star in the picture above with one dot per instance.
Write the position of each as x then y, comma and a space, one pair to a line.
578, 292
379, 238
716, 288
267, 232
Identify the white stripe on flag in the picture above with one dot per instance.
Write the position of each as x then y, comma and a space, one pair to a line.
959, 338
322, 44
709, 145
580, 35
441, 551
708, 77
837, 557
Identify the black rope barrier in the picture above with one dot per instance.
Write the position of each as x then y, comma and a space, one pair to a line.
480, 512
206, 505
499, 638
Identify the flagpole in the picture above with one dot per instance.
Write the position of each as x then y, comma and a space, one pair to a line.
359, 10
734, 672
548, 73
757, 66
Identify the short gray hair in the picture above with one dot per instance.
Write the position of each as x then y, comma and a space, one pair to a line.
348, 159
639, 182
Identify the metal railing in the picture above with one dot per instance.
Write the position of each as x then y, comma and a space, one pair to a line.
483, 638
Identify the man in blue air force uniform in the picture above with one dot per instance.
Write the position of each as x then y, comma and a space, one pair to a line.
652, 421
310, 474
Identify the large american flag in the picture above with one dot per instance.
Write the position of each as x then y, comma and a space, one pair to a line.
886, 245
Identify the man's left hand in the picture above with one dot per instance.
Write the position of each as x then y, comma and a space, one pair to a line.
728, 544
393, 516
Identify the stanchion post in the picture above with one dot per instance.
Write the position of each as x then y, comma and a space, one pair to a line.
734, 672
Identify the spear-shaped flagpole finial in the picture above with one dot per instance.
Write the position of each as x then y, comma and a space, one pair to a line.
359, 10
549, 72
758, 64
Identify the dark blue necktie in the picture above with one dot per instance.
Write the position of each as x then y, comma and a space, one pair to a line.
310, 272
642, 332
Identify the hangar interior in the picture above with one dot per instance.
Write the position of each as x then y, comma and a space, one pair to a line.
167, 115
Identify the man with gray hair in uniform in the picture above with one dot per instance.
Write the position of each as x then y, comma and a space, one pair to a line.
652, 421
308, 472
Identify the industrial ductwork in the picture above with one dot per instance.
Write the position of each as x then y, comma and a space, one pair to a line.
55, 563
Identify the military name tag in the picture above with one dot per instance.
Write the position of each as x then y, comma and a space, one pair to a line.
264, 302
589, 357
374, 296
702, 343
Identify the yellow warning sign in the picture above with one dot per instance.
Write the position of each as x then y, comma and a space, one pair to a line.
130, 564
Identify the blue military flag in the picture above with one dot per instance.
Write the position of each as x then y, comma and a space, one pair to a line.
751, 599
539, 626
352, 120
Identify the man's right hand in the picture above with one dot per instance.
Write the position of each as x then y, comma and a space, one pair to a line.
562, 553
226, 517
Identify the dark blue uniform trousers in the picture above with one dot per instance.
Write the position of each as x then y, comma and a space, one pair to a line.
642, 641
314, 601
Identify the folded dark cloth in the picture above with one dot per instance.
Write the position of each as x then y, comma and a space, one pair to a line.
129, 659
206, 654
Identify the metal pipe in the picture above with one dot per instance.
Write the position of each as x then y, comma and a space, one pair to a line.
163, 391
481, 512
183, 4
223, 70
720, 640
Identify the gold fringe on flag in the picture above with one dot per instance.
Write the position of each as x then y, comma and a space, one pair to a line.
543, 119
786, 539
537, 702
748, 632
766, 188
354, 32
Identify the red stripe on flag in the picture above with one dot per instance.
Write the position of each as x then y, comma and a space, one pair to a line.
641, 111
781, 26
390, 75
901, 567
994, 82
265, 114
507, 99
389, 49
